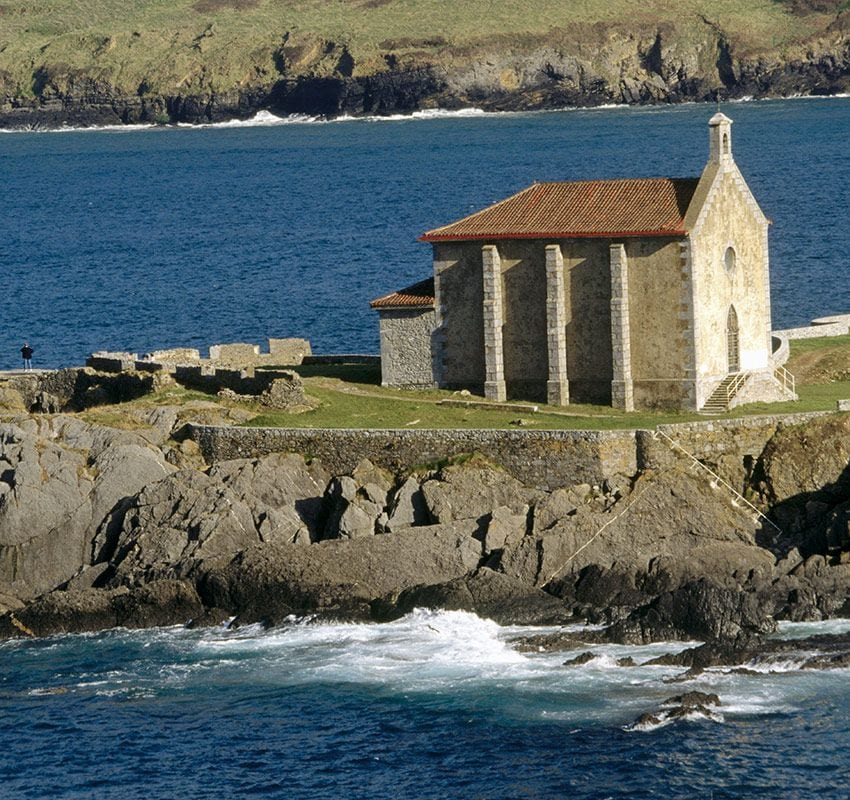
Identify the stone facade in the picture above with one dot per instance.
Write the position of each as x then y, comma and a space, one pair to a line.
406, 347
613, 314
729, 257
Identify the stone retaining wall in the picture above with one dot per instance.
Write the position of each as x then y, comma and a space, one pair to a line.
546, 459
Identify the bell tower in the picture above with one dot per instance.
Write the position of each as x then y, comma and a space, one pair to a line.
720, 140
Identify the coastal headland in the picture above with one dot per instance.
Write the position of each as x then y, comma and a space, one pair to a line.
128, 500
213, 60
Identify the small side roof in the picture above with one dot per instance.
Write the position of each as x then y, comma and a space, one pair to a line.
420, 295
624, 207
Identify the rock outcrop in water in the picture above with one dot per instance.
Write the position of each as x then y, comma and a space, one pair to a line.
98, 527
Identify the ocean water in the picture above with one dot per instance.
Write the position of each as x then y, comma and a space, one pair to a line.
435, 705
147, 238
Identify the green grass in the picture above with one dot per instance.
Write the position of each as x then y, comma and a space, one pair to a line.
350, 396
167, 46
801, 346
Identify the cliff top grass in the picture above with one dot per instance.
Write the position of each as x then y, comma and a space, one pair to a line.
176, 45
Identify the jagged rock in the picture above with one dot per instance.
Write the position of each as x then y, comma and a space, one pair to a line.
46, 403
173, 524
812, 458
186, 455
283, 491
376, 482
824, 651
58, 479
159, 422
558, 505
504, 528
357, 502
486, 593
672, 522
9, 601
11, 398
339, 576
87, 577
606, 595
158, 603
688, 705
554, 642
693, 700
407, 507
581, 658
697, 610
468, 491
814, 589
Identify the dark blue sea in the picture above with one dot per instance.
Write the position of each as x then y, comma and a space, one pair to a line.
145, 239
436, 705
142, 239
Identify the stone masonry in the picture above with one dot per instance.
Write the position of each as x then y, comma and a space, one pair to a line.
557, 387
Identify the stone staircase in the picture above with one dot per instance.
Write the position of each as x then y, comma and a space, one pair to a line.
722, 396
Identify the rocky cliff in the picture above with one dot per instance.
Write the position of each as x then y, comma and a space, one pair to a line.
219, 60
102, 527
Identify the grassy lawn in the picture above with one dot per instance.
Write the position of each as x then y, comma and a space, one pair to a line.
350, 396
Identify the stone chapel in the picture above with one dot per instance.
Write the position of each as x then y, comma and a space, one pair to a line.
638, 293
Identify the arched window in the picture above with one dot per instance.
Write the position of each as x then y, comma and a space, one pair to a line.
725, 144
729, 259
733, 350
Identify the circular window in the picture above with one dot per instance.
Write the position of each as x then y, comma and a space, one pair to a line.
729, 258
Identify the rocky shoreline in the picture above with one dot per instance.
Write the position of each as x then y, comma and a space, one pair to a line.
610, 64
128, 526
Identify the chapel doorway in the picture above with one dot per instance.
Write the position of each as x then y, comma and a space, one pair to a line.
733, 351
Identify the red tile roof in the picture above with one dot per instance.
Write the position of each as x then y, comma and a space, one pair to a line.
627, 207
419, 295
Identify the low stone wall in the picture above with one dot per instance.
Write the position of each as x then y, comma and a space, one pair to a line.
342, 358
211, 380
289, 351
835, 325
547, 459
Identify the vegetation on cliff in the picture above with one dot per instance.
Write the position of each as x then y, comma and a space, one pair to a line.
198, 60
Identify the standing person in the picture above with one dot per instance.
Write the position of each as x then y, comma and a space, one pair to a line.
26, 354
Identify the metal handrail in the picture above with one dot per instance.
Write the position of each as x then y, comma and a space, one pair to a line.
788, 381
734, 386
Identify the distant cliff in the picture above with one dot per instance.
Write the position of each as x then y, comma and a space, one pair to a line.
217, 59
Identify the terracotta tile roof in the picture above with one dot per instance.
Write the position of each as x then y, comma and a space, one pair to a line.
627, 207
418, 295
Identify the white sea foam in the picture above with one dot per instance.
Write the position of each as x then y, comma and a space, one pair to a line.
800, 630
262, 119
85, 128
451, 657
265, 118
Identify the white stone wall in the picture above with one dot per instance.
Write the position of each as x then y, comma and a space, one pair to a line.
406, 355
730, 218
